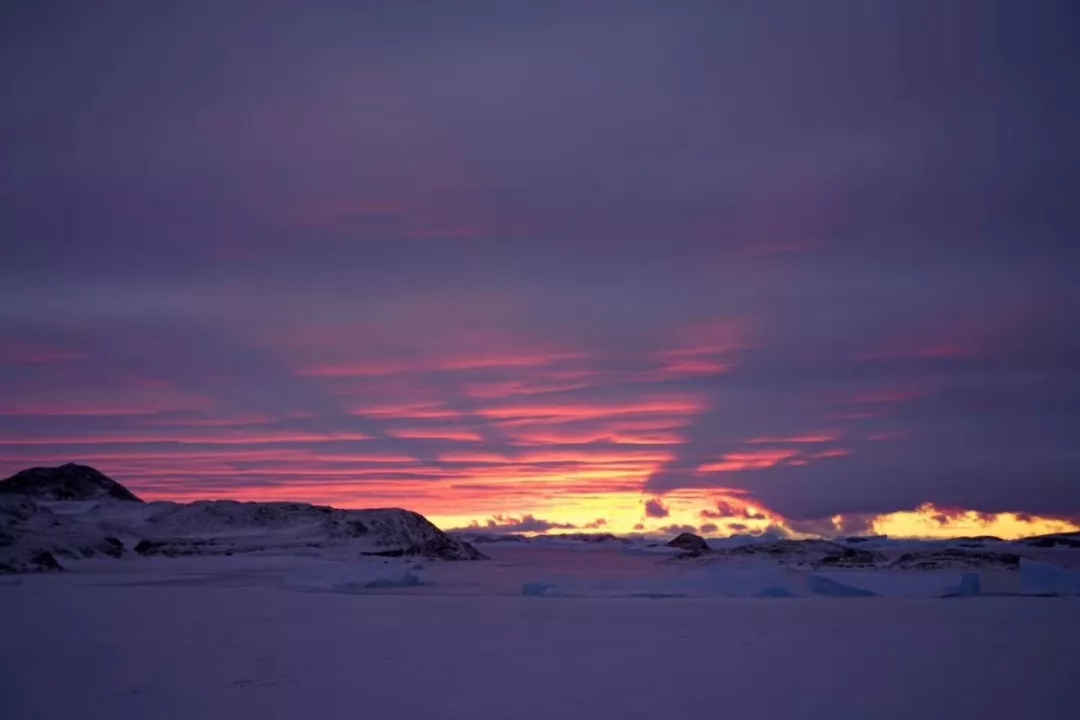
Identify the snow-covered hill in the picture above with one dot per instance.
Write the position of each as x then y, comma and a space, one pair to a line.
48, 514
222, 527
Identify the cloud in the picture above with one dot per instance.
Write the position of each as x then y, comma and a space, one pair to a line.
512, 342
808, 439
524, 524
597, 523
836, 526
708, 528
655, 508
727, 509
677, 529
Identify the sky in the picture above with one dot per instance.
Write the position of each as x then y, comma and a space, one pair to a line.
622, 266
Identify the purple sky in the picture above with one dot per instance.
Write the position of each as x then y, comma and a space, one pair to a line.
510, 258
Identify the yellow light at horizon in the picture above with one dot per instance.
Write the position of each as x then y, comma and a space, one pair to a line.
929, 522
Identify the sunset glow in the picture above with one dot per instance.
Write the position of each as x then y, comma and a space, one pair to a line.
552, 268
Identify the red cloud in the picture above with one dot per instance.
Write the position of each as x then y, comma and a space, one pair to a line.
569, 412
825, 437
759, 460
237, 421
833, 453
217, 438
149, 406
436, 433
765, 459
887, 396
701, 349
549, 435
407, 411
17, 351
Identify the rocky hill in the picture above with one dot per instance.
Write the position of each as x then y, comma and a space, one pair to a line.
65, 482
49, 514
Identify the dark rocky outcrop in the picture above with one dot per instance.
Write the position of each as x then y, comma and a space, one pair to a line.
585, 537
815, 553
958, 558
1070, 540
41, 561
435, 548
692, 545
45, 562
851, 558
857, 539
65, 482
180, 547
491, 537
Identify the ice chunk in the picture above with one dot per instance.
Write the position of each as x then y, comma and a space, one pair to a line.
725, 580
719, 580
393, 581
649, 549
355, 577
1038, 578
537, 589
969, 585
900, 583
821, 585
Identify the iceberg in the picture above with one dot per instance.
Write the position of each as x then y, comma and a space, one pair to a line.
1039, 578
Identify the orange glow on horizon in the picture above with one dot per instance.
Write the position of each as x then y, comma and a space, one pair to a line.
928, 521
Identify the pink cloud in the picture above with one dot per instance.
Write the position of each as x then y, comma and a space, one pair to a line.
435, 433
26, 351
757, 460
216, 438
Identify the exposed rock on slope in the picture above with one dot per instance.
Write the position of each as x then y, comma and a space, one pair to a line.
583, 537
478, 538
1071, 540
65, 482
958, 558
220, 527
38, 562
850, 558
31, 537
404, 532
816, 553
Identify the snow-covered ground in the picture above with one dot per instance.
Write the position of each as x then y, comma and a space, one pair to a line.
311, 636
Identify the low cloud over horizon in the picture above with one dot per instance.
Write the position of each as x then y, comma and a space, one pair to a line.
706, 266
